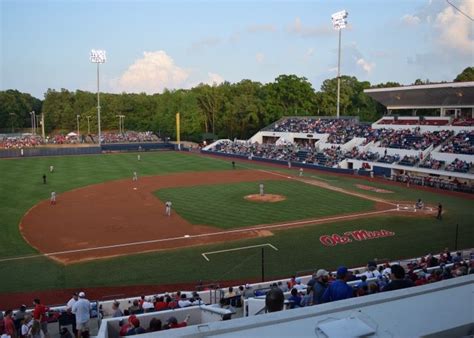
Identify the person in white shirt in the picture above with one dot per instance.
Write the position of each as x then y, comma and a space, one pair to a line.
168, 208
82, 310
184, 301
26, 326
72, 301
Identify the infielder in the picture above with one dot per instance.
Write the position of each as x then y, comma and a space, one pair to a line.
301, 172
53, 198
168, 208
261, 189
135, 176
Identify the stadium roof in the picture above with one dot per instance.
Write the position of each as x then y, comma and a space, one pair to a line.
442, 95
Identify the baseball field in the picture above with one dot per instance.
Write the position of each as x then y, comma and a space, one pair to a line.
108, 231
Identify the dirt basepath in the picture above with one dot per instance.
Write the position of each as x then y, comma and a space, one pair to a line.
124, 217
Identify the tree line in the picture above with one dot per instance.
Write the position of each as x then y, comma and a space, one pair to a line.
227, 110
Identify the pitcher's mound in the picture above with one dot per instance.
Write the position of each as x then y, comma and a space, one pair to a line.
272, 198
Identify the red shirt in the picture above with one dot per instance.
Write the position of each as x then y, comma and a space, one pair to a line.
178, 325
161, 306
40, 312
9, 326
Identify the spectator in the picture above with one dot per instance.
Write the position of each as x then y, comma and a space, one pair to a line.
19, 316
295, 299
398, 280
274, 300
318, 285
116, 309
124, 327
174, 324
160, 304
155, 325
338, 289
372, 270
135, 327
40, 315
10, 329
26, 326
72, 301
2, 323
230, 293
184, 301
135, 308
82, 311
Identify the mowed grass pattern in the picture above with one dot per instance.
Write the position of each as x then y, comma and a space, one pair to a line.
299, 249
21, 183
224, 205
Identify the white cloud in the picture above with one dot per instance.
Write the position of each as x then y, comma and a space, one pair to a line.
410, 20
214, 79
365, 65
261, 28
455, 30
151, 74
298, 28
260, 57
157, 71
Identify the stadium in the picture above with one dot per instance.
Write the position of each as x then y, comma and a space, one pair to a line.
251, 224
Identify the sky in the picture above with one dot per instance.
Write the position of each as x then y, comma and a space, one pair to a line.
153, 45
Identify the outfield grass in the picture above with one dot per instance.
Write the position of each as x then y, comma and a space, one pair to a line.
299, 249
224, 206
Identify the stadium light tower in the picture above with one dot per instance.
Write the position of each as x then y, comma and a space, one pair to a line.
88, 124
98, 57
339, 22
33, 122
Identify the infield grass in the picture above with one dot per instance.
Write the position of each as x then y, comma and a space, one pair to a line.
224, 205
21, 187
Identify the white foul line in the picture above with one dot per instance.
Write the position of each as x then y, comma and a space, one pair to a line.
263, 227
236, 249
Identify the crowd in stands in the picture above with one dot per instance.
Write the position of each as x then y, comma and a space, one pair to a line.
129, 137
29, 141
410, 161
459, 166
322, 287
462, 143
414, 139
18, 142
464, 122
431, 163
417, 121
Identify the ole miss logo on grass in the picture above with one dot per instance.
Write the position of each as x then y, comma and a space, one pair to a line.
356, 235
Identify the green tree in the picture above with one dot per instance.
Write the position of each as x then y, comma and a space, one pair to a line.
466, 75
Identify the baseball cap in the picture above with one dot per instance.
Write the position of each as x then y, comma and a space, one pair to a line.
342, 271
321, 272
82, 294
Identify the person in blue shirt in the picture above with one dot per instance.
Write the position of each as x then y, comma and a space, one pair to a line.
295, 299
338, 289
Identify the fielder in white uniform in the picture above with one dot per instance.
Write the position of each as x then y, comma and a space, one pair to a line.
53, 198
51, 168
135, 176
168, 208
261, 189
301, 172
138, 157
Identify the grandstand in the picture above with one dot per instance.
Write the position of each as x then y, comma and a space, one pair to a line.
434, 151
449, 275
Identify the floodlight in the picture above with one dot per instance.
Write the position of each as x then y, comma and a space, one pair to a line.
98, 56
339, 22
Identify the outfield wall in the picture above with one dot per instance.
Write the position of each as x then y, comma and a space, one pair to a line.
81, 150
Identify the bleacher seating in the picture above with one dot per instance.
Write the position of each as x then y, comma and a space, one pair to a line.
462, 143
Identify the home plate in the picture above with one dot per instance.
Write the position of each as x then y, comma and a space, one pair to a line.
186, 236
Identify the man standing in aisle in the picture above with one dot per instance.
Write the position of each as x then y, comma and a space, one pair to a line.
82, 310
